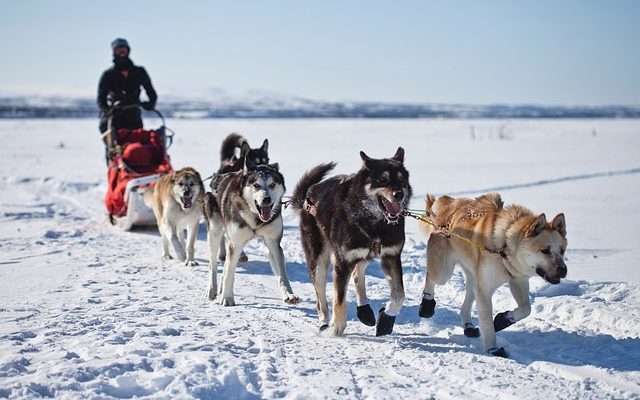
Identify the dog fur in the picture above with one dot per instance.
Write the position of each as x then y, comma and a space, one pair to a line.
230, 162
529, 246
176, 200
348, 221
242, 205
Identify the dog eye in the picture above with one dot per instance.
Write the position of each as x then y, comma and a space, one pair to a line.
256, 186
272, 185
382, 181
546, 251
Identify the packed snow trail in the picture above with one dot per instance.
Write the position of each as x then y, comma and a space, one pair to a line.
89, 311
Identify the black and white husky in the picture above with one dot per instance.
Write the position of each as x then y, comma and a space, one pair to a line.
242, 205
347, 221
230, 161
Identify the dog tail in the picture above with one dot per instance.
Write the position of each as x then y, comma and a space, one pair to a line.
310, 178
229, 144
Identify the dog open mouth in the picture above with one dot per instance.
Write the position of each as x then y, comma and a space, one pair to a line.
391, 210
187, 201
552, 280
264, 212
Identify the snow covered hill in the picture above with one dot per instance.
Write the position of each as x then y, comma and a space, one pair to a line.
261, 105
87, 311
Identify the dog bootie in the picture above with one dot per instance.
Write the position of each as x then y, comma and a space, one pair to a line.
503, 320
498, 352
471, 331
366, 315
427, 308
385, 323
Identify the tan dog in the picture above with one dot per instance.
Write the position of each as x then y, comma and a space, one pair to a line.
517, 245
177, 203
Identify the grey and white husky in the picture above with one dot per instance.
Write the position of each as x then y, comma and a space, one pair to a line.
242, 205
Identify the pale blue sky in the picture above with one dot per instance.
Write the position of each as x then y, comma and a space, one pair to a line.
479, 52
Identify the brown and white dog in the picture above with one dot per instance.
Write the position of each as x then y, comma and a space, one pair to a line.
176, 200
518, 244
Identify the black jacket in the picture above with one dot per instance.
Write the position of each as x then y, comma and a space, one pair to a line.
114, 86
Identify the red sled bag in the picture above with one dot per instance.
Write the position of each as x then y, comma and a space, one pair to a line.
137, 153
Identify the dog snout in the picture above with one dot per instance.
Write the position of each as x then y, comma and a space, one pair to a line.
561, 267
398, 195
266, 200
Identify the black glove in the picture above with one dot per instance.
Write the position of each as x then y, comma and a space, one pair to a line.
147, 105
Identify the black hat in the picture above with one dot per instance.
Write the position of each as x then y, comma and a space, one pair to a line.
120, 42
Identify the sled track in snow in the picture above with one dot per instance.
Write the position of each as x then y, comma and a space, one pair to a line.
543, 182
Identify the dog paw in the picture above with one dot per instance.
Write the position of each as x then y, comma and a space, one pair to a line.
339, 327
166, 257
323, 325
191, 263
385, 323
227, 302
503, 320
427, 308
471, 331
212, 293
498, 352
366, 315
291, 298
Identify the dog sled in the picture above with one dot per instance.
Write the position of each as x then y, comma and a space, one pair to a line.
136, 158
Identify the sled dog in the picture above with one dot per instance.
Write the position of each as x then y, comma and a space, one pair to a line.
348, 221
242, 205
176, 200
518, 244
230, 162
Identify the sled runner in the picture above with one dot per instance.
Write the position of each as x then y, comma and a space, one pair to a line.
136, 159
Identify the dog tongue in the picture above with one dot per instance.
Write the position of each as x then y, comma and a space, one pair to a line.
186, 202
393, 208
265, 213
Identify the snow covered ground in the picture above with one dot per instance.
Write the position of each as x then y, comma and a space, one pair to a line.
87, 311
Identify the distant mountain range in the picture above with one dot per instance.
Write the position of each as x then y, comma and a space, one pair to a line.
264, 106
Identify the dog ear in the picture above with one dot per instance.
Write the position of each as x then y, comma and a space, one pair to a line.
399, 156
365, 159
536, 226
275, 166
173, 176
429, 200
247, 164
559, 224
244, 149
265, 146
